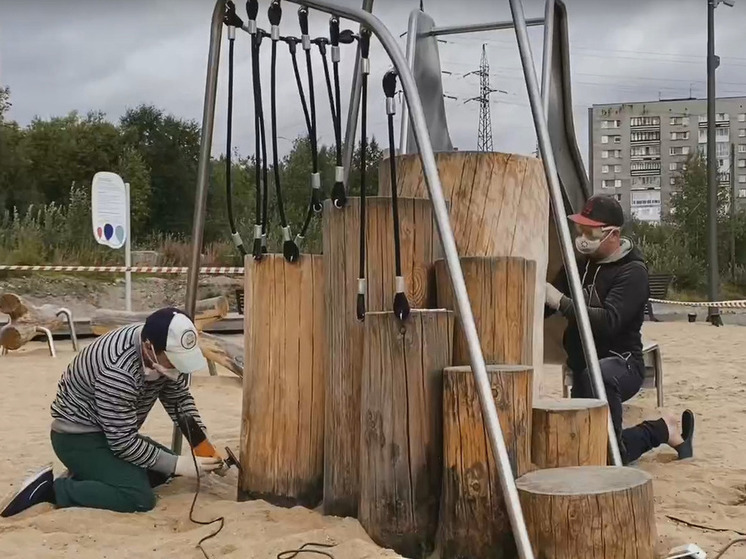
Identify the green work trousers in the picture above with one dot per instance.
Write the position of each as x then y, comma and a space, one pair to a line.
100, 479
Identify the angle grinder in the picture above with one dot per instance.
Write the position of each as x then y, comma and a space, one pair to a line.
201, 446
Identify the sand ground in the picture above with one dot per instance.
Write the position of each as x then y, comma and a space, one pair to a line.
703, 369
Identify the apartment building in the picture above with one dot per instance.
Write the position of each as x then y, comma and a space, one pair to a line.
637, 149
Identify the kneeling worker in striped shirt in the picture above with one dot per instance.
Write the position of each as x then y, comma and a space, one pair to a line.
102, 401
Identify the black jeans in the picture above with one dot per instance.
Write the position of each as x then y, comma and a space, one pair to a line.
622, 380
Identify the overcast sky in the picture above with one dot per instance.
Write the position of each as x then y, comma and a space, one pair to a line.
64, 55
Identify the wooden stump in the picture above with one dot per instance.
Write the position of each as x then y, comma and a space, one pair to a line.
25, 318
569, 432
282, 427
401, 447
593, 512
473, 517
501, 292
419, 249
499, 206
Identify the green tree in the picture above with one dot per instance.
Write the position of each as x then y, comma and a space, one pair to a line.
5, 103
170, 149
132, 168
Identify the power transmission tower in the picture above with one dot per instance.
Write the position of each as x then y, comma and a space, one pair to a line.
484, 134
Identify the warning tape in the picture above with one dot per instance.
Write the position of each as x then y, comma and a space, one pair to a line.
721, 304
123, 269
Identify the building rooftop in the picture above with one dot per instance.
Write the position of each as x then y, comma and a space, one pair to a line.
674, 100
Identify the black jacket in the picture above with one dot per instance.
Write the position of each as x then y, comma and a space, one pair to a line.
616, 294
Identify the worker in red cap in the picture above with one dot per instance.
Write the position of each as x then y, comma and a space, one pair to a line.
614, 278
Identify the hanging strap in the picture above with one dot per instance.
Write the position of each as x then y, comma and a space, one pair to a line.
289, 248
232, 20
252, 10
364, 71
339, 192
401, 304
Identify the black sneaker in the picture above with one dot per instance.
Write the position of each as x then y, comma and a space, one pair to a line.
37, 488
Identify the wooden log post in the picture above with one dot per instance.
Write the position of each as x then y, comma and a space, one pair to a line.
282, 427
499, 206
401, 447
25, 319
501, 292
223, 352
569, 432
206, 312
473, 516
594, 512
341, 234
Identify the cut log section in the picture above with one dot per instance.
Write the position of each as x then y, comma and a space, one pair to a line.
401, 448
207, 311
474, 520
569, 432
501, 292
282, 426
341, 242
223, 352
593, 512
26, 320
499, 206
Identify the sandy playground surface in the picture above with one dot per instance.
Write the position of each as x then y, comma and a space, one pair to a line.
703, 370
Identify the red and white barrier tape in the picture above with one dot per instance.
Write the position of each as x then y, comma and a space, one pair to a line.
123, 269
720, 304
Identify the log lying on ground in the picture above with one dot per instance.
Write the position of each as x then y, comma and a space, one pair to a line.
25, 319
473, 517
569, 432
223, 352
401, 462
207, 311
593, 512
499, 206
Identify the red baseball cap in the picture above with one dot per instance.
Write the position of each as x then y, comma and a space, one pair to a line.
600, 211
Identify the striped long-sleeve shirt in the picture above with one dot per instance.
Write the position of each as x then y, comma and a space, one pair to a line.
104, 390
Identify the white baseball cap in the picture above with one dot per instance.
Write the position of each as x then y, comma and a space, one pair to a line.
172, 331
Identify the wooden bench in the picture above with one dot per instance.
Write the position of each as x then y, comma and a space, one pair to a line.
651, 356
658, 285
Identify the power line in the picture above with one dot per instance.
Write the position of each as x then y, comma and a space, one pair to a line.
484, 132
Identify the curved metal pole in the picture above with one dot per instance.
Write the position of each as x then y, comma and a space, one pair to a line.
353, 112
560, 219
71, 325
203, 173
50, 339
440, 210
546, 59
411, 48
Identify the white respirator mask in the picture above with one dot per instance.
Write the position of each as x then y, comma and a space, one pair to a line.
588, 245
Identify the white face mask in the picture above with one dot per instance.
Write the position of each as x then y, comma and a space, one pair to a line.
586, 245
153, 369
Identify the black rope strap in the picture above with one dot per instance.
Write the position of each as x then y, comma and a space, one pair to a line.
339, 194
306, 548
401, 304
289, 249
364, 71
232, 20
252, 10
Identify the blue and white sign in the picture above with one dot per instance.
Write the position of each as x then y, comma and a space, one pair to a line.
109, 208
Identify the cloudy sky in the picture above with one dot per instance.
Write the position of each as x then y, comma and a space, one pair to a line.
64, 55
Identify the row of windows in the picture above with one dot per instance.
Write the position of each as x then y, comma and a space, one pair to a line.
636, 151
721, 135
673, 121
673, 166
617, 183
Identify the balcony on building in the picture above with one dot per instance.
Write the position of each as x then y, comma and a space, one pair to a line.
721, 120
645, 123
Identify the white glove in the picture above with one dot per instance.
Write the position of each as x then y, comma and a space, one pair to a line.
185, 466
553, 297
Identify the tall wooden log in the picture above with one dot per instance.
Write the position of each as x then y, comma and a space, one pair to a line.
25, 318
569, 432
554, 326
593, 512
473, 517
499, 206
401, 448
419, 248
207, 311
501, 292
282, 427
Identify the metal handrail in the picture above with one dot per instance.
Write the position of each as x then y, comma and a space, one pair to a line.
440, 210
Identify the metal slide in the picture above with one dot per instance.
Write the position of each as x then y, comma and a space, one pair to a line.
576, 188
